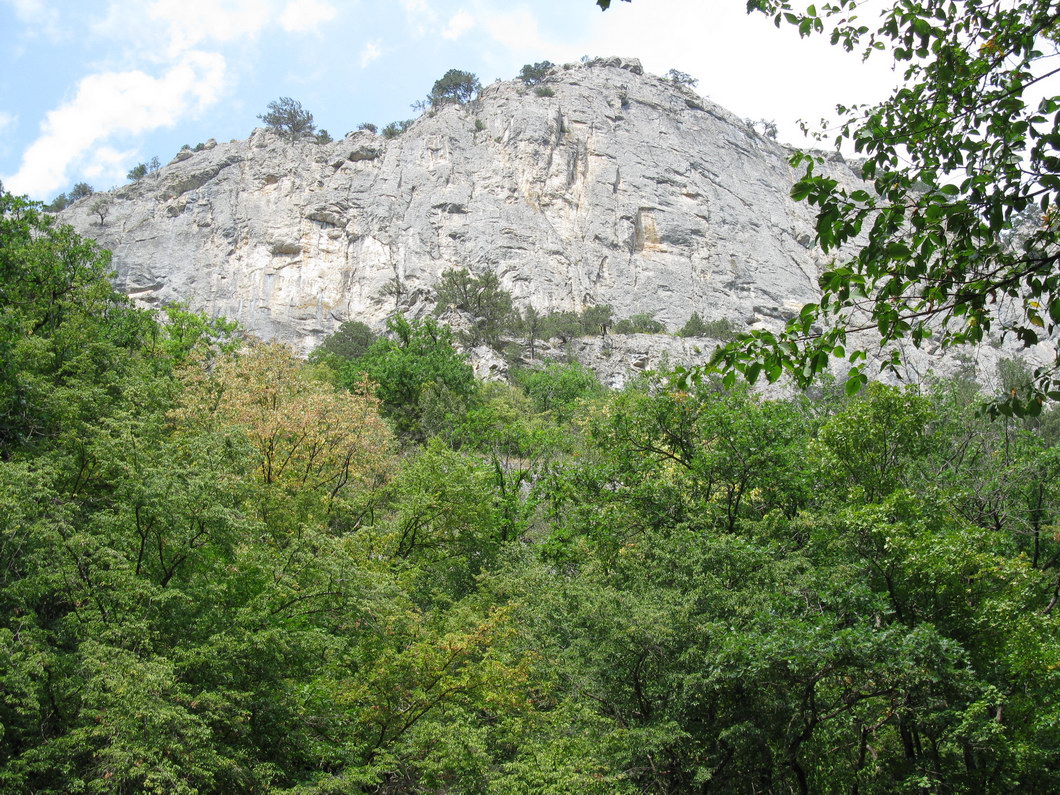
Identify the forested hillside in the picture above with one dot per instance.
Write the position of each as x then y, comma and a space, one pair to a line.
224, 569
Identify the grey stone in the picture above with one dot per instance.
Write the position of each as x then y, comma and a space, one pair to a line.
620, 189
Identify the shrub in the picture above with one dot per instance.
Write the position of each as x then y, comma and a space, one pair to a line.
60, 202
720, 329
544, 91
695, 327
80, 191
642, 323
454, 87
532, 74
101, 207
367, 125
287, 117
479, 125
558, 388
324, 137
681, 79
597, 319
767, 127
350, 341
487, 304
561, 325
396, 128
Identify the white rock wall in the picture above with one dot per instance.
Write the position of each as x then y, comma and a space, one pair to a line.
620, 189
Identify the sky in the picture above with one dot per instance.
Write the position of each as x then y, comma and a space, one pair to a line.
90, 88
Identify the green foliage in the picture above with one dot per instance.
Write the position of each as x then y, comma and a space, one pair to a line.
101, 208
560, 325
287, 117
693, 327
720, 329
396, 128
486, 304
959, 218
184, 335
592, 321
59, 317
596, 320
324, 137
530, 327
368, 126
421, 380
454, 87
216, 576
532, 74
80, 191
60, 202
350, 341
868, 444
544, 91
558, 388
137, 172
643, 323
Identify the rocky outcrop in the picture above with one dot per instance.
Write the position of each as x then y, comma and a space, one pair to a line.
620, 188
610, 187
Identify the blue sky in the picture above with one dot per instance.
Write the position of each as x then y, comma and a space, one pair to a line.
90, 88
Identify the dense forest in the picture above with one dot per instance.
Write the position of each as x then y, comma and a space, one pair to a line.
225, 569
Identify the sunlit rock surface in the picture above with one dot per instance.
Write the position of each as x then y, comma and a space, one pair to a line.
621, 189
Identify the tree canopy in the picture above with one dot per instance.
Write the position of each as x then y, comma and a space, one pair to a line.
956, 238
454, 86
287, 117
220, 572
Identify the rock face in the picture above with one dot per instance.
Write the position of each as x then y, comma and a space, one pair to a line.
620, 188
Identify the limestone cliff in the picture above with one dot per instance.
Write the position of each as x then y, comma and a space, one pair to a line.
619, 189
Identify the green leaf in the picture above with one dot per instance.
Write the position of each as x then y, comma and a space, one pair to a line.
800, 190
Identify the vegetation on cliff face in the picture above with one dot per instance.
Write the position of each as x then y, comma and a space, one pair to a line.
958, 237
223, 569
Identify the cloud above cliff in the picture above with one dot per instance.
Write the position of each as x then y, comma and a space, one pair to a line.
109, 104
304, 16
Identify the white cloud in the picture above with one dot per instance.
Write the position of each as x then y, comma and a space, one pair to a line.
301, 16
110, 104
191, 22
371, 52
742, 61
108, 164
36, 14
518, 30
459, 24
6, 120
420, 16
